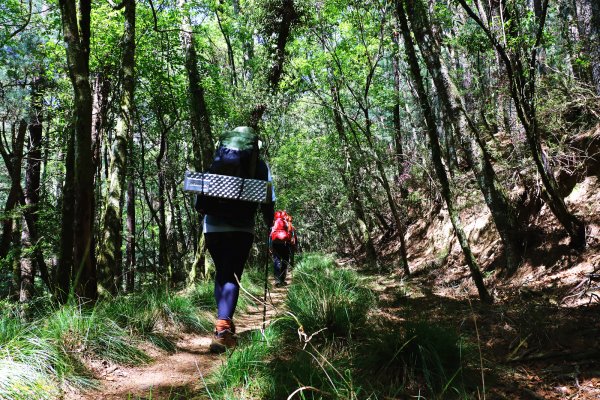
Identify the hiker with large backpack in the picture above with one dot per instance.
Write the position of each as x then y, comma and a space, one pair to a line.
283, 242
229, 226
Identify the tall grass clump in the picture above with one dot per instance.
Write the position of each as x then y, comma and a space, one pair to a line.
248, 373
422, 357
153, 313
38, 357
51, 349
323, 295
81, 332
26, 363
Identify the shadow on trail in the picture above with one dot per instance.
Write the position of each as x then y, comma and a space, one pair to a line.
530, 348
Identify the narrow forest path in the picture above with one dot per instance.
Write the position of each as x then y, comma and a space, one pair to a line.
179, 374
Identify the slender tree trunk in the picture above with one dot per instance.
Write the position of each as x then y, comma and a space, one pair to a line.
202, 140
396, 110
230, 55
32, 254
247, 41
163, 243
76, 30
110, 255
15, 287
390, 198
436, 154
12, 159
400, 180
27, 267
477, 155
352, 183
64, 274
286, 17
130, 247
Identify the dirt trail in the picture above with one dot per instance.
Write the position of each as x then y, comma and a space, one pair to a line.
177, 375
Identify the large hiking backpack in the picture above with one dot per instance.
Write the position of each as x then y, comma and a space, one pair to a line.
281, 232
236, 155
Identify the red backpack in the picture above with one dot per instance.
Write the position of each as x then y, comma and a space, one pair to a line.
281, 232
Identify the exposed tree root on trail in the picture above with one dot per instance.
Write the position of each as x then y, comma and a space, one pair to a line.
174, 375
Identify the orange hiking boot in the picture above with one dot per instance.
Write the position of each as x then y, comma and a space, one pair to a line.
224, 336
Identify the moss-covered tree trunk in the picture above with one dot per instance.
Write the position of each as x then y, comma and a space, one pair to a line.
111, 239
130, 261
76, 30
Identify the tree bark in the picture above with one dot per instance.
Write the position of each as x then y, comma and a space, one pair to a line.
27, 267
99, 114
33, 258
110, 255
130, 263
202, 140
76, 30
12, 159
436, 154
163, 244
64, 274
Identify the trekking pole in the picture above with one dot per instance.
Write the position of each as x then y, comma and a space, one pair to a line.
266, 280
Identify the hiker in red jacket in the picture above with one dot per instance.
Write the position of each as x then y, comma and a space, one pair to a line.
283, 243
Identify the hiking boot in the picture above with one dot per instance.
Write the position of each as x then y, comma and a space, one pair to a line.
222, 341
280, 283
224, 336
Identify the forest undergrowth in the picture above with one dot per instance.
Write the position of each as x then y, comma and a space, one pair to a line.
342, 333
57, 349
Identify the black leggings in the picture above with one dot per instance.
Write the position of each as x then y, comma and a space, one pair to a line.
229, 251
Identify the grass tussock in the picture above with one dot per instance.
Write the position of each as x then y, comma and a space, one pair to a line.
154, 314
325, 296
248, 373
